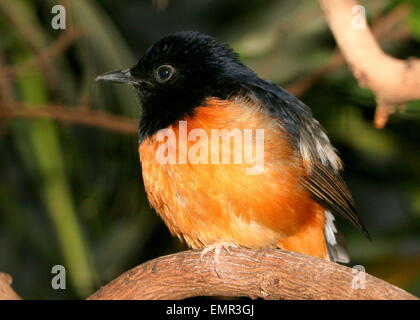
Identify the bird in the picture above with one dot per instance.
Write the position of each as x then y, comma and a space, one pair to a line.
190, 86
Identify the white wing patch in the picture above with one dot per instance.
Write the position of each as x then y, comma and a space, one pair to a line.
315, 146
335, 243
330, 229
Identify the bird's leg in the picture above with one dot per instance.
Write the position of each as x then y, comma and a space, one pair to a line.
217, 247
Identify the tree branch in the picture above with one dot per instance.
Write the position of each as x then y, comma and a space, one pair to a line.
6, 291
384, 29
392, 80
268, 274
64, 41
76, 115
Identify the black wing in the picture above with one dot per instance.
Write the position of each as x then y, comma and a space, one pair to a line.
319, 157
329, 189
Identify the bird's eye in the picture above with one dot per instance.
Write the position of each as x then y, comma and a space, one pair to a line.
164, 73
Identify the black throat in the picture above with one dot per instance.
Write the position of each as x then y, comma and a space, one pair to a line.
161, 111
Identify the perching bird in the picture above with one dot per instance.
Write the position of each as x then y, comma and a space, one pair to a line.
190, 79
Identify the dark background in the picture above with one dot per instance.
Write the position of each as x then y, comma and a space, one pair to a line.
72, 194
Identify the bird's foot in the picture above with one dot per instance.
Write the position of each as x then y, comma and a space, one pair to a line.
217, 247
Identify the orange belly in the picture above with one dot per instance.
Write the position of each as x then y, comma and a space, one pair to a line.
204, 203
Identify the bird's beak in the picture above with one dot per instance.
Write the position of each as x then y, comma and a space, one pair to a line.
119, 76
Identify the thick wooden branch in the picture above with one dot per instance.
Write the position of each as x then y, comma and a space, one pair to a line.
268, 274
392, 80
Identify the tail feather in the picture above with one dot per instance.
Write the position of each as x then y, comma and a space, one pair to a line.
337, 248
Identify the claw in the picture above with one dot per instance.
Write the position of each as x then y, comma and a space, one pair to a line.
217, 247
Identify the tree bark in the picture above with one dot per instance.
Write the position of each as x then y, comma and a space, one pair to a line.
268, 274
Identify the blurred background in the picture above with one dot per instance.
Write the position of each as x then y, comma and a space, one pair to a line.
71, 191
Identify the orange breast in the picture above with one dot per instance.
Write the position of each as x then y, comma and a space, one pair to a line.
204, 203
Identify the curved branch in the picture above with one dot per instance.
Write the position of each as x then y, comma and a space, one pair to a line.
268, 274
384, 29
392, 80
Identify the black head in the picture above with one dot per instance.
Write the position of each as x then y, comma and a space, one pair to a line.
177, 74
